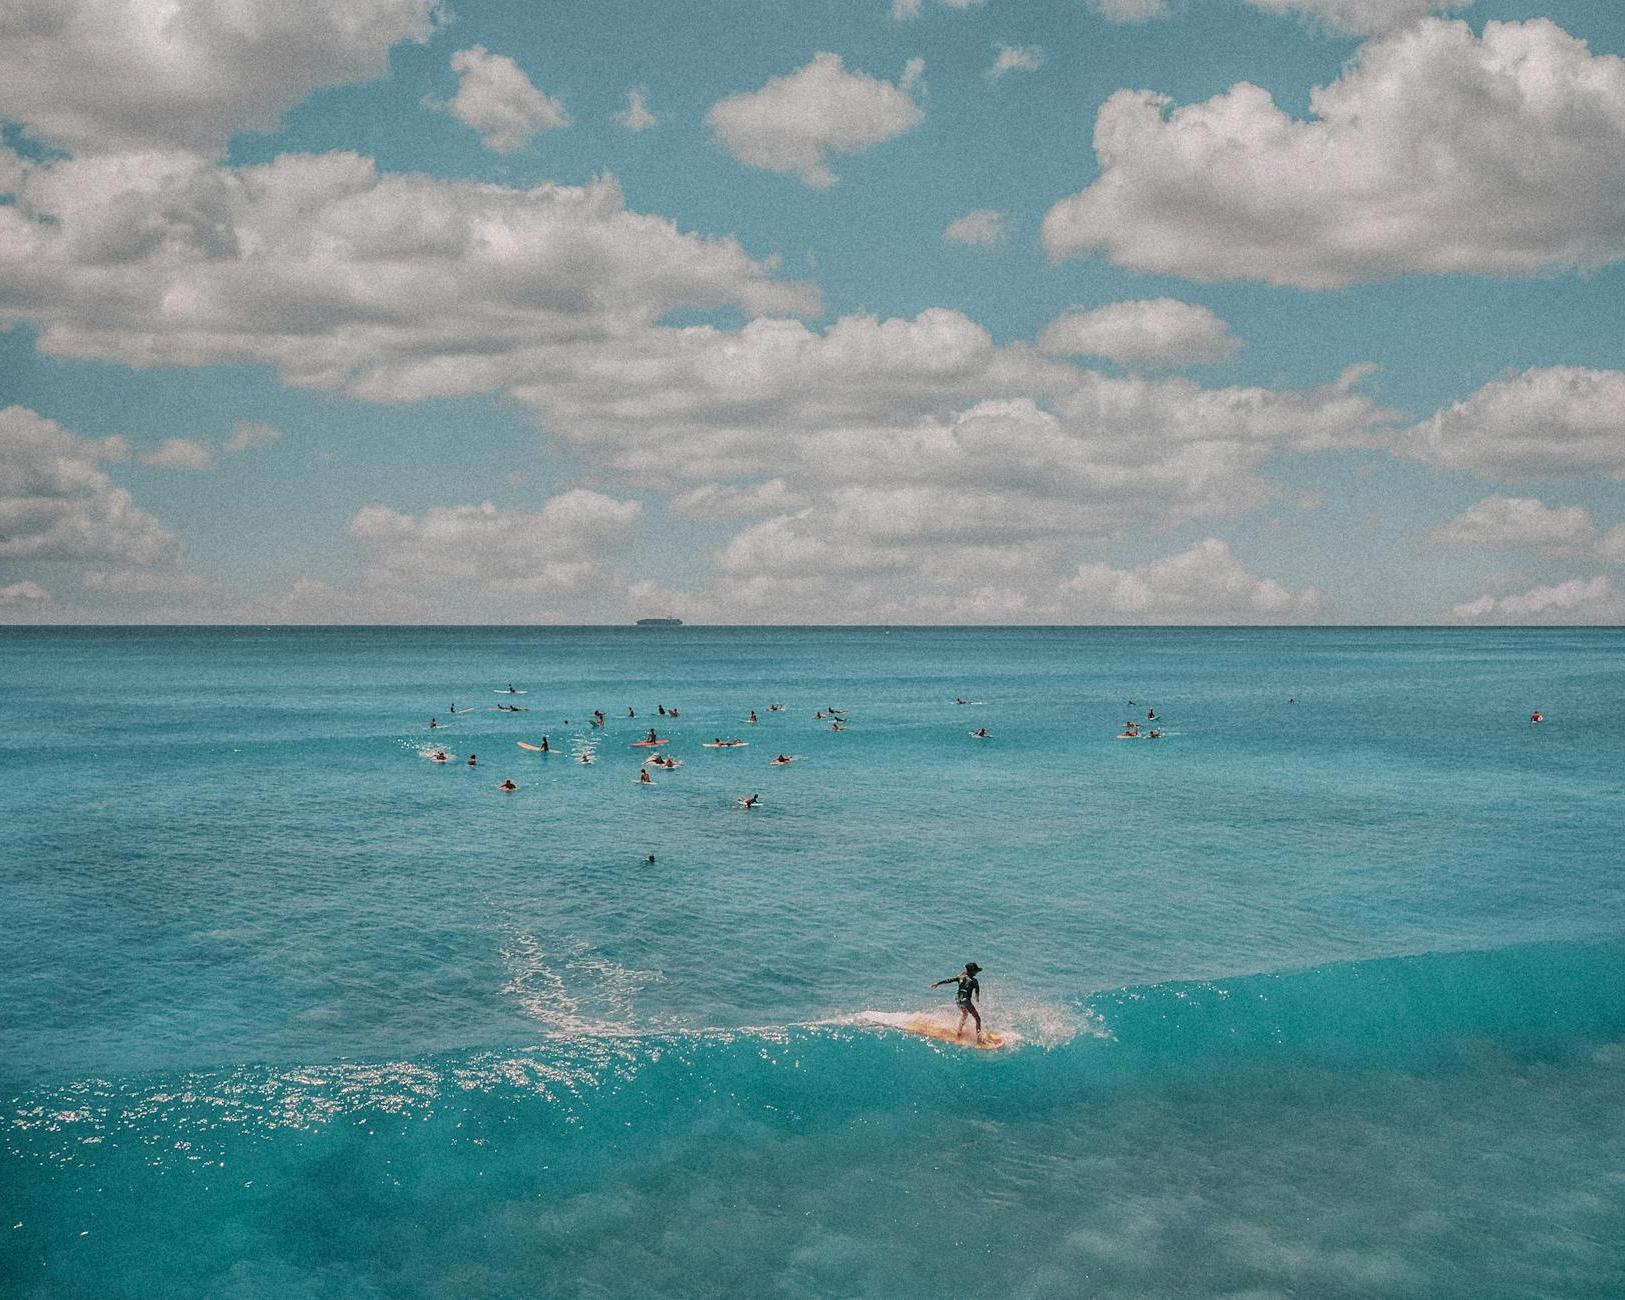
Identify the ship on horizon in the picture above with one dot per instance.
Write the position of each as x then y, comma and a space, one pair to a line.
660, 622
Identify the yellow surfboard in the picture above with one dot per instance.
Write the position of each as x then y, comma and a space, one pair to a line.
990, 1041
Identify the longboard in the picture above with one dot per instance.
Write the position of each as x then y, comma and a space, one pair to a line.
535, 749
722, 744
646, 744
990, 1041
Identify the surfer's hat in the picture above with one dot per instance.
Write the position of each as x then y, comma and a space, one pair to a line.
973, 968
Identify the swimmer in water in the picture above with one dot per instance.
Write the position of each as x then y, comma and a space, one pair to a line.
966, 996
473, 761
750, 802
650, 859
508, 787
673, 713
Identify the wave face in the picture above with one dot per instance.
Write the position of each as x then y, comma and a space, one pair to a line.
1431, 1125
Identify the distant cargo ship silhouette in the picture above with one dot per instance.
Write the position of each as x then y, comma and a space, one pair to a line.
660, 622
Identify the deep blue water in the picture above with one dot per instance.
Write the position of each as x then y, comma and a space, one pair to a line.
1320, 998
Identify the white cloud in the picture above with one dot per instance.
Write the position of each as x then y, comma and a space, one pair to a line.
1435, 152
1519, 521
1543, 423
1524, 521
147, 582
252, 435
95, 75
797, 122
1361, 17
56, 503
984, 228
1580, 600
821, 568
390, 286
1015, 58
1205, 584
22, 594
903, 10
557, 550
636, 115
1130, 11
1156, 332
495, 98
180, 453
736, 501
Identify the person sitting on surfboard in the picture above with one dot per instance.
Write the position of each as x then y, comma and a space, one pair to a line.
643, 777
966, 996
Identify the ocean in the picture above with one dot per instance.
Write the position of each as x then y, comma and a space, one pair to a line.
1319, 993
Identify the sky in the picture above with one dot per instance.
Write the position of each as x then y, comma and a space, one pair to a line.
813, 311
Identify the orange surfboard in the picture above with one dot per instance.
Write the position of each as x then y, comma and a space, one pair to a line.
990, 1041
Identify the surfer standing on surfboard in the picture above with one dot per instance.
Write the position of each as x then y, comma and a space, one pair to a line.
966, 996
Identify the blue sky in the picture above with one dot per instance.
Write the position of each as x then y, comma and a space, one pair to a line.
1099, 311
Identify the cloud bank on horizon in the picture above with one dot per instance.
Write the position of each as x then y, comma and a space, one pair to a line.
467, 333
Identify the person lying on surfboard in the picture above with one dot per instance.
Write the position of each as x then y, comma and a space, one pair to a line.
966, 996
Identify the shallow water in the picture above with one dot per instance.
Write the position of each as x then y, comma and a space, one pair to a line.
1319, 998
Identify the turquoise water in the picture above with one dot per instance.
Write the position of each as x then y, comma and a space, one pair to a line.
1310, 999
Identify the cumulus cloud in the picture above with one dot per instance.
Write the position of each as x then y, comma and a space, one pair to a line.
1524, 521
809, 569
252, 435
1543, 423
984, 228
391, 286
1130, 11
110, 75
16, 595
1578, 601
496, 99
903, 10
1205, 584
1157, 332
1519, 521
636, 115
1015, 58
58, 505
1360, 17
736, 501
557, 550
180, 453
1435, 152
797, 122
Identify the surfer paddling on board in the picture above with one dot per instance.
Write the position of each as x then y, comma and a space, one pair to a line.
966, 996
